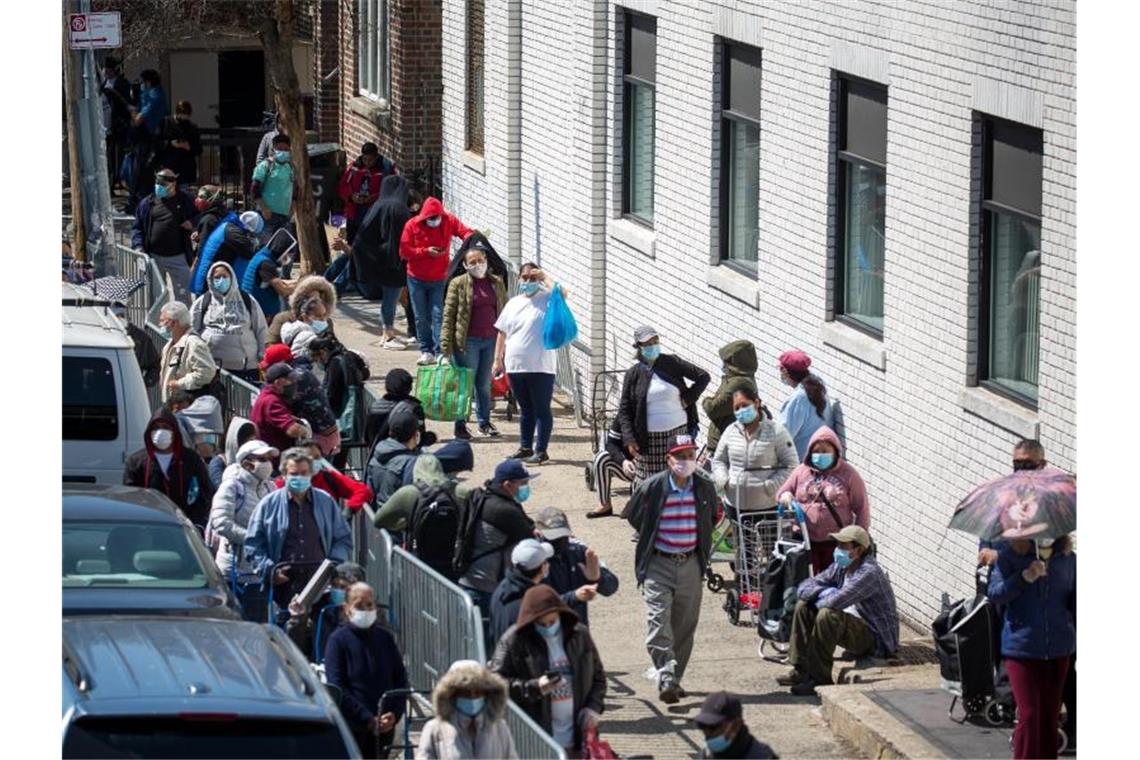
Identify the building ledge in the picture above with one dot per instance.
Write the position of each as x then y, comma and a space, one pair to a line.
637, 237
474, 162
852, 342
1006, 414
735, 284
373, 110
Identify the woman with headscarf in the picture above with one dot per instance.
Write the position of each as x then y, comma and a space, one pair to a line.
231, 322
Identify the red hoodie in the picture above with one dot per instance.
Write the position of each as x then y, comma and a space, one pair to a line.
418, 238
339, 486
841, 484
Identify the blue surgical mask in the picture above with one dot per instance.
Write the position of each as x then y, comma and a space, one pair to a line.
650, 353
319, 326
298, 483
746, 415
528, 288
549, 631
841, 557
282, 156
320, 464
221, 284
523, 493
822, 460
470, 706
160, 190
337, 595
719, 743
164, 331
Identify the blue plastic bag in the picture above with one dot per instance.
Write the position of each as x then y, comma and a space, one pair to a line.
558, 326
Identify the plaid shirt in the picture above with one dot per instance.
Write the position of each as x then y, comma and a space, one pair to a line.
868, 589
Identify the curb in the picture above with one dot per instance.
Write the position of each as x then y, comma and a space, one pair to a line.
867, 727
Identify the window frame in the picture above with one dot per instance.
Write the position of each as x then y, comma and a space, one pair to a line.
379, 48
844, 160
727, 117
469, 78
628, 82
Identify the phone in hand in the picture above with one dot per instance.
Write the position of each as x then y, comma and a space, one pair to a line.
553, 675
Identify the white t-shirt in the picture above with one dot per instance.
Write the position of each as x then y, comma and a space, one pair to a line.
562, 698
663, 410
521, 321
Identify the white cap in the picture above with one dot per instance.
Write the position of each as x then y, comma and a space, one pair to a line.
252, 221
530, 554
255, 448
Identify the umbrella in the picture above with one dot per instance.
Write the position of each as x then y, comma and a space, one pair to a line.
1026, 504
115, 288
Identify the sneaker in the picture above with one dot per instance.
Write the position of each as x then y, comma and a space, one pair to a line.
522, 454
393, 344
489, 430
461, 431
411, 340
791, 678
669, 691
538, 458
425, 359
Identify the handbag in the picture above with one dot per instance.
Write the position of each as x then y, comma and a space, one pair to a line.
558, 326
594, 748
445, 391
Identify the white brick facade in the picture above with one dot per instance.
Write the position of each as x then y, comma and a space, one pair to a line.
920, 435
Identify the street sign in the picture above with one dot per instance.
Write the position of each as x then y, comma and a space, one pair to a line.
90, 31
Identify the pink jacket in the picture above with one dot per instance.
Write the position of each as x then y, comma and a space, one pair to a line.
841, 484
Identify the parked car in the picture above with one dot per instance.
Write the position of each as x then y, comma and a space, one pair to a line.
105, 405
131, 550
166, 687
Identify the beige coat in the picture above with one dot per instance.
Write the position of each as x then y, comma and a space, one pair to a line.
447, 736
188, 361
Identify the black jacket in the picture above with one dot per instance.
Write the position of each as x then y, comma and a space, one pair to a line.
745, 745
376, 247
505, 602
566, 575
503, 523
184, 163
376, 425
644, 514
145, 354
187, 472
635, 388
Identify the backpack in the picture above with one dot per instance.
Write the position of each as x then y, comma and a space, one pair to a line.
359, 362
208, 296
470, 515
434, 527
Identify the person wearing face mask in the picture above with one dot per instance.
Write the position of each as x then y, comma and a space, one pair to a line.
807, 409
313, 298
274, 185
1036, 583
673, 513
145, 134
232, 239
553, 668
186, 361
332, 481
831, 493
754, 456
294, 529
380, 273
738, 371
470, 704
576, 572
850, 604
473, 304
658, 402
530, 564
721, 720
162, 230
425, 244
271, 413
210, 203
231, 323
363, 661
359, 186
244, 485
167, 465
308, 401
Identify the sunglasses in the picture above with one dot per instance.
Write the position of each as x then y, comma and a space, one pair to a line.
164, 179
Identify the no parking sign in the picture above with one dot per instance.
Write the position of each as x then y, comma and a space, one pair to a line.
89, 31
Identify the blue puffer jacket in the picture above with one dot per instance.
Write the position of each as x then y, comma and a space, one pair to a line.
1040, 620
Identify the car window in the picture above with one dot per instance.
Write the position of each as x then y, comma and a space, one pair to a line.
90, 408
130, 554
196, 736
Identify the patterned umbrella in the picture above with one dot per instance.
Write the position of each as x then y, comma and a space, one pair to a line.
1026, 504
113, 288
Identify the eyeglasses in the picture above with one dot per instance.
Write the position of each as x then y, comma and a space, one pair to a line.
165, 179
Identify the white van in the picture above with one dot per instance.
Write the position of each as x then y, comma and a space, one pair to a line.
105, 406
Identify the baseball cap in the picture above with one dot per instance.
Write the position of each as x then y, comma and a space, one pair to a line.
853, 534
512, 469
277, 371
402, 421
278, 352
795, 361
350, 571
552, 522
529, 554
644, 333
682, 443
717, 708
255, 448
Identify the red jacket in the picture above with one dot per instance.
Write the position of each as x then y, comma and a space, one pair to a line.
418, 237
339, 486
353, 180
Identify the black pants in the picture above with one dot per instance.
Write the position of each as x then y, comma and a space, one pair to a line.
370, 743
1069, 700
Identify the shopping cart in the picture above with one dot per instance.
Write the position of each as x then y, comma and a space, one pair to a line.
788, 565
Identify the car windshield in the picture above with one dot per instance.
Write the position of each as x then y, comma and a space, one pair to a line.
202, 736
148, 555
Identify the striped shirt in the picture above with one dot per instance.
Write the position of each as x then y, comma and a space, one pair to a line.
677, 528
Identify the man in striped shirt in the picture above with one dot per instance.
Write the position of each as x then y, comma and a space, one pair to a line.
673, 513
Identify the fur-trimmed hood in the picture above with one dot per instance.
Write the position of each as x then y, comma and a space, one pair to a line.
470, 677
309, 286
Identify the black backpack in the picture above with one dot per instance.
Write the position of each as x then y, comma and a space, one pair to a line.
434, 528
470, 515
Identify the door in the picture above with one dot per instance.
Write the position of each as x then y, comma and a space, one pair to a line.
241, 77
194, 77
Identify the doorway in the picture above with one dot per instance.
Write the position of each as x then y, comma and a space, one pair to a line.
241, 88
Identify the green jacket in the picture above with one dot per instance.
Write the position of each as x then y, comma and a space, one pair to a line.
457, 311
739, 371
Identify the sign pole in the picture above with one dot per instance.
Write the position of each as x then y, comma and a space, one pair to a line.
78, 218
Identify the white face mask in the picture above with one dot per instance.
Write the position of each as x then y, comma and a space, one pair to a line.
479, 271
362, 618
435, 221
162, 439
262, 470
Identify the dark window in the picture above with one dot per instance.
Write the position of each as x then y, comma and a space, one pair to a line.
475, 76
90, 407
740, 157
861, 162
131, 555
640, 77
1011, 258
205, 735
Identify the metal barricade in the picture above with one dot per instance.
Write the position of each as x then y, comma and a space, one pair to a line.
240, 395
375, 554
530, 740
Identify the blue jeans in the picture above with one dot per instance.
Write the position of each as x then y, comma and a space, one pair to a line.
533, 391
427, 303
479, 355
389, 300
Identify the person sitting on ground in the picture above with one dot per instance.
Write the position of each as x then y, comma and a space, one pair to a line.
549, 637
470, 704
397, 389
738, 371
824, 617
186, 359
576, 572
166, 465
395, 514
332, 481
231, 323
530, 564
721, 720
239, 432
145, 352
363, 661
611, 461
240, 492
275, 422
302, 306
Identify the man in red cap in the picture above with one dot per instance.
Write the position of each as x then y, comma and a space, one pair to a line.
673, 512
271, 413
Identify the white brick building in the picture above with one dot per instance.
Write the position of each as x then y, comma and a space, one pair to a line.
926, 292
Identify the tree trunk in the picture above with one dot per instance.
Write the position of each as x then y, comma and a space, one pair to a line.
277, 35
75, 170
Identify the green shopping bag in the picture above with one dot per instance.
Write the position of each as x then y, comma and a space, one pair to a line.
445, 391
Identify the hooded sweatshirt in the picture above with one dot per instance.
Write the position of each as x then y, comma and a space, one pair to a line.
376, 249
418, 237
235, 332
220, 463
841, 485
185, 481
739, 371
230, 511
449, 735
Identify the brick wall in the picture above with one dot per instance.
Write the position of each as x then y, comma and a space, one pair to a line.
915, 435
